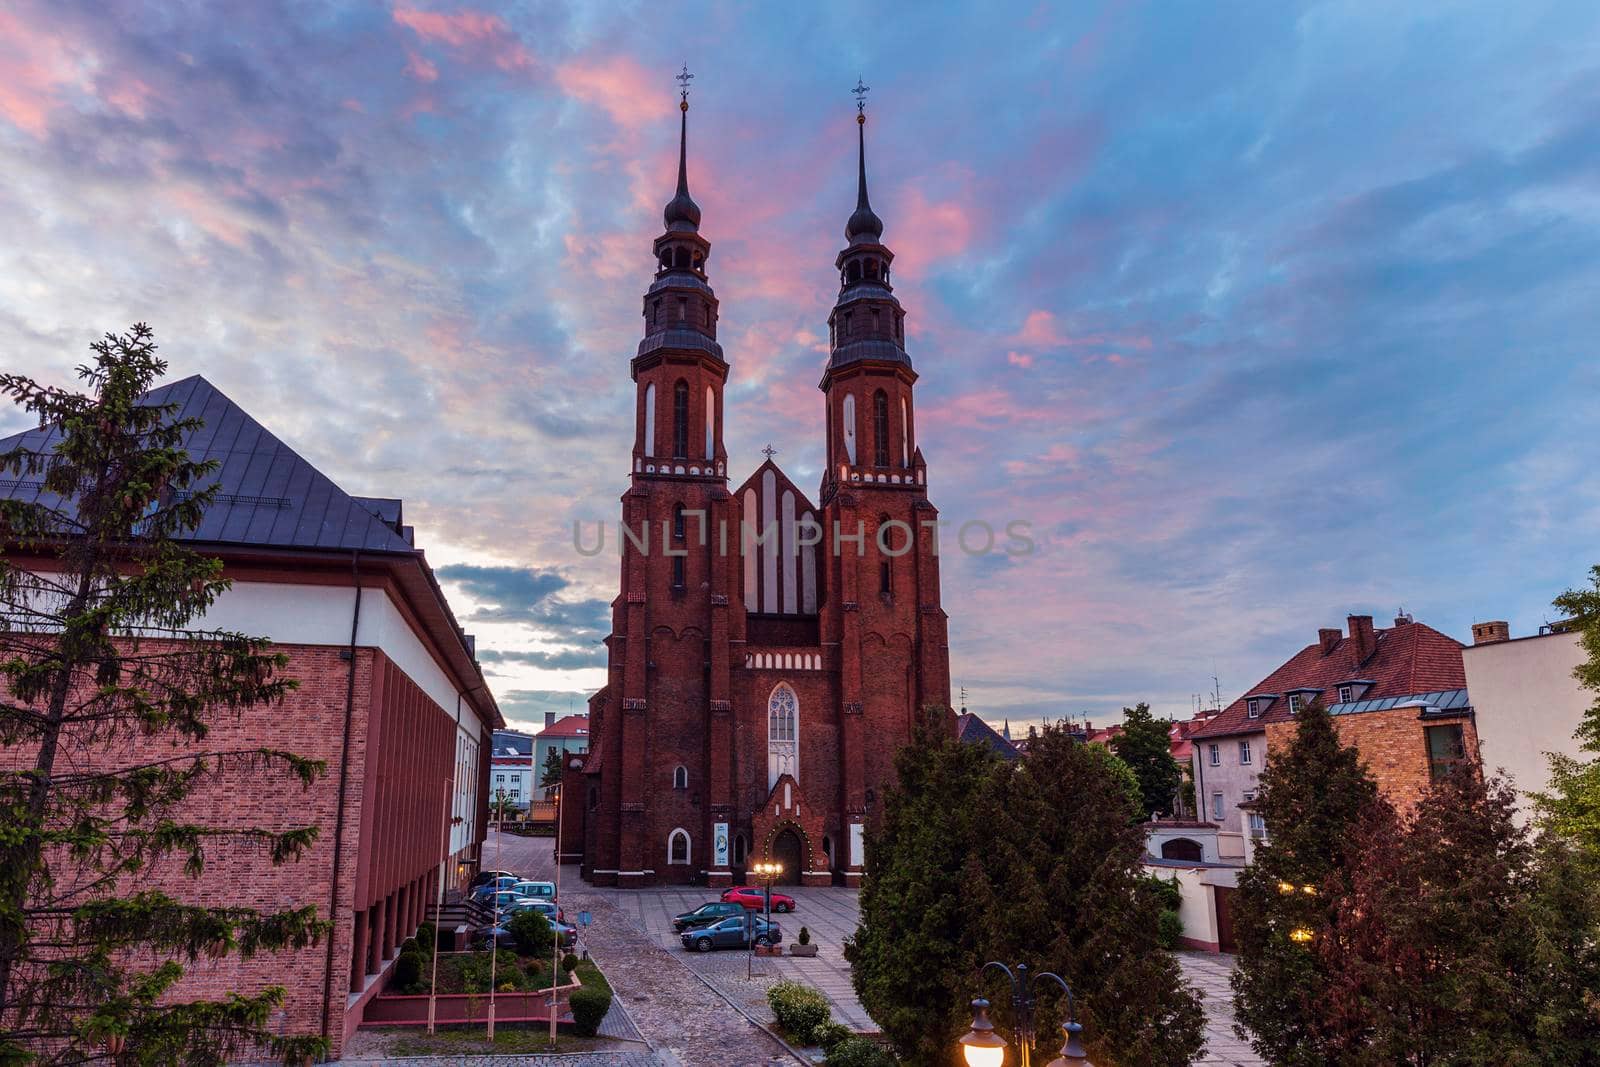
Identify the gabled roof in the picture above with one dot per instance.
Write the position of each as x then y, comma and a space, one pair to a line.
1407, 659
971, 730
567, 726
801, 503
269, 496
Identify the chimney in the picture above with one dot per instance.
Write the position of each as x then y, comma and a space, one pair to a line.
1487, 633
1362, 637
1402, 619
549, 719
1327, 639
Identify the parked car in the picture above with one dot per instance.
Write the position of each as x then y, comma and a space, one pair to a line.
705, 915
538, 890
566, 936
548, 908
488, 876
754, 897
732, 933
497, 884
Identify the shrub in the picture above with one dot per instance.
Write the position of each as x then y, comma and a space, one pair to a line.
830, 1035
860, 1052
533, 933
508, 976
569, 963
1167, 891
805, 936
408, 968
427, 938
1169, 929
589, 1006
798, 1008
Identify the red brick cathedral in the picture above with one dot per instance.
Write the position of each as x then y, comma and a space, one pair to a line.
767, 656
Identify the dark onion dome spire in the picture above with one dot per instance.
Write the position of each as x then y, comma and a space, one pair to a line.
682, 213
864, 224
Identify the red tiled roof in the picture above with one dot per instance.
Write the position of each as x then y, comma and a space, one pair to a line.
1408, 658
567, 726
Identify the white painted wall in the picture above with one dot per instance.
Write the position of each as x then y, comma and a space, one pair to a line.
1527, 703
1198, 911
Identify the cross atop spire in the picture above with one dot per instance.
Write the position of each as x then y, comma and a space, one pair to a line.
863, 223
861, 90
683, 79
682, 212
769, 451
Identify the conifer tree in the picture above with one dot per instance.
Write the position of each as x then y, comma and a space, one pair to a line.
1453, 939
1145, 746
1312, 795
108, 690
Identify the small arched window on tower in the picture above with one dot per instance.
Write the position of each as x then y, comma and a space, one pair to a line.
880, 428
680, 778
849, 427
655, 313
680, 420
683, 309
650, 419
679, 579
677, 522
905, 435
711, 423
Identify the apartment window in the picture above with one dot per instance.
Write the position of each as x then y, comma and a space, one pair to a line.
1249, 795
1258, 826
1447, 749
1345, 694
1216, 754
1216, 805
1294, 703
500, 779
1252, 708
1244, 752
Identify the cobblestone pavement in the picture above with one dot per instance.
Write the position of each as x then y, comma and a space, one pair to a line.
831, 915
639, 1058
683, 1019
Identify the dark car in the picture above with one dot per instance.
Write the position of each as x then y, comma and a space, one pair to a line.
705, 915
754, 897
733, 933
566, 936
487, 876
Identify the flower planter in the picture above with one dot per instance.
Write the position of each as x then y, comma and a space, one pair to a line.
802, 950
769, 950
411, 1009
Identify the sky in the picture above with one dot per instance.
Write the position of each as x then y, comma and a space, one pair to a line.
1260, 313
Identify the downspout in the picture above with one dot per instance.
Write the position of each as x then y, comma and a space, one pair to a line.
344, 782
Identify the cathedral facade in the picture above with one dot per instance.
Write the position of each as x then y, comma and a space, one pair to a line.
768, 655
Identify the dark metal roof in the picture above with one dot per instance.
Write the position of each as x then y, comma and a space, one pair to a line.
856, 351
688, 339
972, 730
1439, 700
269, 495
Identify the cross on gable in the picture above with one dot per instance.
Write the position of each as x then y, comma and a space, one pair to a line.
769, 451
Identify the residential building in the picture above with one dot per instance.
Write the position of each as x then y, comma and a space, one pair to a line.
390, 697
770, 658
972, 730
568, 735
1526, 699
1398, 694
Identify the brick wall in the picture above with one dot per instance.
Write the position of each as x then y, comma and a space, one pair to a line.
1393, 744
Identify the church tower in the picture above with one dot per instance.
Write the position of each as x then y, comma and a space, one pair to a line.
883, 609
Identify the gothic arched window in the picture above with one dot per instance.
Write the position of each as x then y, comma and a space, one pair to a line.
905, 434
680, 419
880, 428
849, 428
650, 419
677, 522
678, 846
711, 418
680, 778
783, 727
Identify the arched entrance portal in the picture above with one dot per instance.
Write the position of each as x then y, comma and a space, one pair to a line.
787, 850
1181, 848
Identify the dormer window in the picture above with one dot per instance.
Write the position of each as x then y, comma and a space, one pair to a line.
1252, 708
1346, 693
1294, 702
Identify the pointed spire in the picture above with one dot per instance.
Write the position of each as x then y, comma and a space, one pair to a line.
863, 223
682, 213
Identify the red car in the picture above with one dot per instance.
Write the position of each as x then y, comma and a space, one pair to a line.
755, 898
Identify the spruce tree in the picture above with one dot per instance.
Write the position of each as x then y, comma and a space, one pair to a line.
1145, 746
1453, 940
1312, 795
551, 772
108, 691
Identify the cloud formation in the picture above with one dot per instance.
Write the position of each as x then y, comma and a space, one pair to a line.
1259, 316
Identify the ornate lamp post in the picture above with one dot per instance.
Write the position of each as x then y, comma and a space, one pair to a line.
768, 871
983, 1047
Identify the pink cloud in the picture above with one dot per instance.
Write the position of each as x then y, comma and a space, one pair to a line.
421, 68
1018, 359
35, 69
618, 85
927, 231
476, 32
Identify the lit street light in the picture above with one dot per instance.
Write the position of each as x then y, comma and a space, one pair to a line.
983, 1047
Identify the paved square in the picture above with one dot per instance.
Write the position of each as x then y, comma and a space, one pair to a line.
831, 916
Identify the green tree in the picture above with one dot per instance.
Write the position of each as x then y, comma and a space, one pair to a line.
1311, 797
1038, 861
915, 949
1453, 940
1570, 805
533, 933
553, 764
108, 692
1145, 746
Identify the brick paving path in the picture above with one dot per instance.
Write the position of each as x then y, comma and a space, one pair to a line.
646, 915
639, 1058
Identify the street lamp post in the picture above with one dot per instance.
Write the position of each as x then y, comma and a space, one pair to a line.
767, 872
983, 1047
